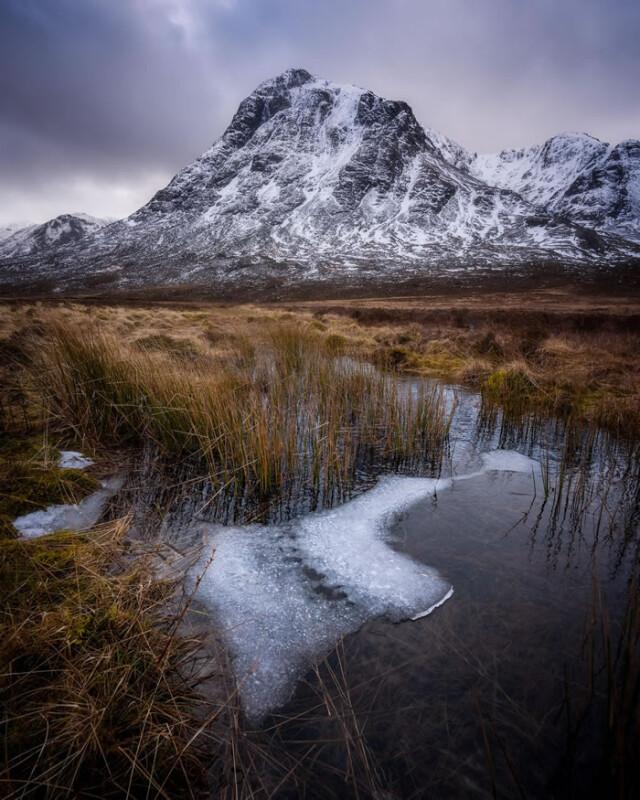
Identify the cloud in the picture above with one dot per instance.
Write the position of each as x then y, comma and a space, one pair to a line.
99, 99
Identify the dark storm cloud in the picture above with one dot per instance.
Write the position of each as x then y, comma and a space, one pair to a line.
101, 101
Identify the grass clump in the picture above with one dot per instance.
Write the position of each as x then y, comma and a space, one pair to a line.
510, 385
275, 410
95, 703
178, 348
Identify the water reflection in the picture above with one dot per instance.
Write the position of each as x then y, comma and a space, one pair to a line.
507, 690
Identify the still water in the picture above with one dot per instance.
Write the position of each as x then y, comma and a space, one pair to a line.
463, 628
520, 685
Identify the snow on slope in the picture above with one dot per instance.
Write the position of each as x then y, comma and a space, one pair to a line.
606, 196
8, 230
541, 172
573, 175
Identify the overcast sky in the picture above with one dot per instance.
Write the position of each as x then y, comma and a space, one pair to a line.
102, 101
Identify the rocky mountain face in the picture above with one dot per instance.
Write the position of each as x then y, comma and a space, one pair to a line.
34, 240
575, 176
315, 182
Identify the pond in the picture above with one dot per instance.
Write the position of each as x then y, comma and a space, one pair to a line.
521, 684
465, 626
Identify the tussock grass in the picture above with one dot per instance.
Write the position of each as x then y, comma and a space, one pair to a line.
273, 409
95, 689
555, 355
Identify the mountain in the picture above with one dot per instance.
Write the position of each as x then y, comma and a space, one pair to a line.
314, 182
8, 230
573, 175
33, 240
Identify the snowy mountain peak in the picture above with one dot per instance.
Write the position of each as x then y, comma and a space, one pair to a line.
314, 180
576, 176
540, 173
289, 79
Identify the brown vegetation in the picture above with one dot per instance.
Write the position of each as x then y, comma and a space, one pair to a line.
97, 694
96, 675
552, 353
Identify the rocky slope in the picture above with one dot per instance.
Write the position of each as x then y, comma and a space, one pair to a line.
315, 182
8, 230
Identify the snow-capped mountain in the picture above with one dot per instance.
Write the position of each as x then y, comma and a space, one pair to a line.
606, 195
8, 230
573, 175
57, 232
315, 181
311, 169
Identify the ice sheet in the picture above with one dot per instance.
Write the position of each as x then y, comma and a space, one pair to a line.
284, 595
67, 517
509, 461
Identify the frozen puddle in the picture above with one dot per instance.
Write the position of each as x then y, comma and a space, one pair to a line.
67, 517
71, 459
285, 594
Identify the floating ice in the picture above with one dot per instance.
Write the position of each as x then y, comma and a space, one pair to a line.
76, 517
71, 459
284, 595
508, 461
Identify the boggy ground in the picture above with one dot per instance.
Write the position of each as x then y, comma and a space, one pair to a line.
97, 675
100, 682
556, 351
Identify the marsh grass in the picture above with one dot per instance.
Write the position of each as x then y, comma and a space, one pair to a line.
557, 355
97, 694
281, 409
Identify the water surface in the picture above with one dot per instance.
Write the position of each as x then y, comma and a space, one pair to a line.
503, 691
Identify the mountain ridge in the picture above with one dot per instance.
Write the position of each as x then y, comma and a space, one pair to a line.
315, 181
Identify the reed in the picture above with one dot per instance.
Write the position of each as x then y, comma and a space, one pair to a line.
602, 702
274, 411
